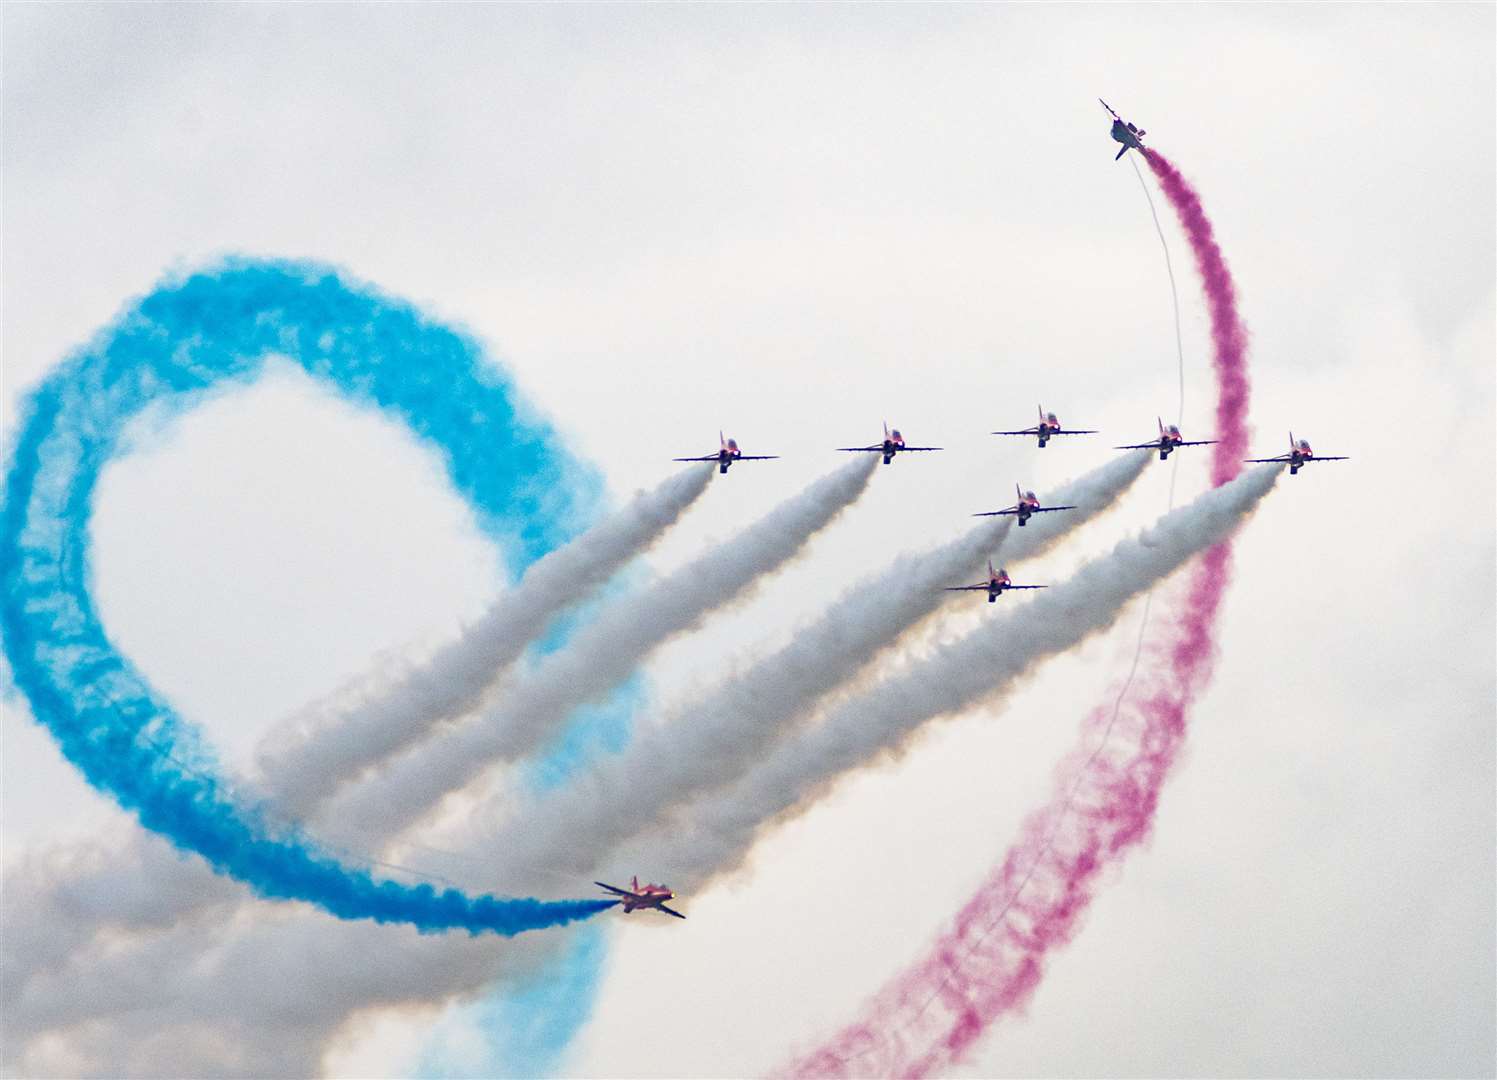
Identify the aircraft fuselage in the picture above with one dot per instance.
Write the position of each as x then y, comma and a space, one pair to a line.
648, 901
1123, 134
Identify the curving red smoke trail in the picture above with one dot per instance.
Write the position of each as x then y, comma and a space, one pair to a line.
992, 958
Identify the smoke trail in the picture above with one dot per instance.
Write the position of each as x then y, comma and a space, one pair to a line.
302, 766
1228, 335
717, 832
596, 658
533, 1021
352, 979
601, 654
721, 737
866, 619
992, 958
172, 347
990, 961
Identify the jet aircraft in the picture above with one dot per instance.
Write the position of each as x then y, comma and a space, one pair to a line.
1299, 455
893, 444
998, 582
1122, 131
1047, 428
1027, 506
1169, 440
647, 896
728, 453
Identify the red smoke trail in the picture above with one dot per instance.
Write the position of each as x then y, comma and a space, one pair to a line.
993, 956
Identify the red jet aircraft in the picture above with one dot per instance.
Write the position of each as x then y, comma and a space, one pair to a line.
1299, 455
1169, 439
728, 453
1027, 506
637, 896
893, 444
1122, 131
1047, 428
997, 582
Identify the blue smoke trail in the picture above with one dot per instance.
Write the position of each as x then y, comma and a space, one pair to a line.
524, 1031
207, 331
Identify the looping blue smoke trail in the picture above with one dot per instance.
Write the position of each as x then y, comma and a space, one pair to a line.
206, 331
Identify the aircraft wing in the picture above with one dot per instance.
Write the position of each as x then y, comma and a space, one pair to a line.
1140, 446
614, 889
1026, 586
757, 457
998, 513
1047, 509
671, 911
704, 457
1026, 431
965, 588
1197, 442
1282, 459
1075, 431
1317, 457
904, 449
862, 449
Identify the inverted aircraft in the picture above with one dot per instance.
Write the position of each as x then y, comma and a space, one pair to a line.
1027, 506
1169, 440
893, 444
728, 453
1047, 428
1122, 131
642, 896
998, 582
1299, 455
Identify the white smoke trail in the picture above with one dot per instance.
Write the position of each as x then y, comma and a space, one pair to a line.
318, 972
604, 652
143, 882
714, 835
719, 738
257, 995
304, 760
597, 658
532, 706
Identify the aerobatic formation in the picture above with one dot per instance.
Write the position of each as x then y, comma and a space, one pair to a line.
688, 798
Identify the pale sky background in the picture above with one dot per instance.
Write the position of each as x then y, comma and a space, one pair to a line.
791, 223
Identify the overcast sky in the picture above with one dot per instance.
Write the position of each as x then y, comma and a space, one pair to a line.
793, 223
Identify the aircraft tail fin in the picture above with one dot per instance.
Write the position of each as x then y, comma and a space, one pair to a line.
634, 883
